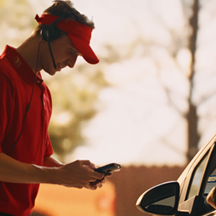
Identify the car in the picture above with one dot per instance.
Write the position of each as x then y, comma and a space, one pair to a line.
187, 195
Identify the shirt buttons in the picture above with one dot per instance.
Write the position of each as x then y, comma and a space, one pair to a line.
17, 61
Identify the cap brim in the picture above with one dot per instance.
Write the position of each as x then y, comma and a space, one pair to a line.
84, 48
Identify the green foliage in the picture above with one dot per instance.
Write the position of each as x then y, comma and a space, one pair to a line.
17, 21
75, 96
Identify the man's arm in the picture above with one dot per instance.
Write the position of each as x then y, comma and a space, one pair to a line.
15, 171
76, 174
52, 162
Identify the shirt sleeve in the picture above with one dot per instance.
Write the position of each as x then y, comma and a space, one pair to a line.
6, 105
49, 149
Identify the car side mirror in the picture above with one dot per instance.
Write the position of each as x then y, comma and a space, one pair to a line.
162, 199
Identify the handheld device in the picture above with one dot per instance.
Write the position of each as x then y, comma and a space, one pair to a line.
109, 168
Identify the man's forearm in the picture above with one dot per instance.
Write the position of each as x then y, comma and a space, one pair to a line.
76, 174
52, 162
15, 171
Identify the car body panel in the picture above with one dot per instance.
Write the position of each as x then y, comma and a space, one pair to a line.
195, 182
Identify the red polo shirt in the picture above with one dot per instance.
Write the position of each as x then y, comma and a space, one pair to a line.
16, 83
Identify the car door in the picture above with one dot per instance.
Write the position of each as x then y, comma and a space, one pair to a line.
197, 185
213, 213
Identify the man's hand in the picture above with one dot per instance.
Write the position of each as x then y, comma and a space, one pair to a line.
79, 174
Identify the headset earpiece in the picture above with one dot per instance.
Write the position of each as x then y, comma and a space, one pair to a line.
50, 33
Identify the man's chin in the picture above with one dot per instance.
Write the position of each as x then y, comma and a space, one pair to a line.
51, 72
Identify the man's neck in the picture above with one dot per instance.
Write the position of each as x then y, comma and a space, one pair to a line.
29, 51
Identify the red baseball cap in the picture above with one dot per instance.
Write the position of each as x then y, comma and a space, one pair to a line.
79, 34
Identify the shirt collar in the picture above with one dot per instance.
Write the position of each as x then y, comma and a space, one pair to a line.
20, 65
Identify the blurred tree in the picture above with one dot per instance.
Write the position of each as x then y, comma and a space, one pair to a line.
175, 63
185, 40
16, 21
191, 12
75, 96
192, 115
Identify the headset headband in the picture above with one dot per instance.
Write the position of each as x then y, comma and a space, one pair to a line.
79, 34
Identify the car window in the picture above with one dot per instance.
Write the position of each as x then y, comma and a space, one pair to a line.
197, 176
200, 182
211, 182
211, 175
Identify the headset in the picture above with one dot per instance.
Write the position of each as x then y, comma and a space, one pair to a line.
50, 33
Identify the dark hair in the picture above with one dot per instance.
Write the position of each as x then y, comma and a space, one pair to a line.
60, 8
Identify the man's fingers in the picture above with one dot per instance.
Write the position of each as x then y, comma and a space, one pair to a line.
89, 164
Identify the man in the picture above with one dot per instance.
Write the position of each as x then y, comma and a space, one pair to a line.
25, 148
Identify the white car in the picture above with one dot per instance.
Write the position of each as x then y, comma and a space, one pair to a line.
187, 195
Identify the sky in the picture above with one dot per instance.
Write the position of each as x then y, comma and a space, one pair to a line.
122, 131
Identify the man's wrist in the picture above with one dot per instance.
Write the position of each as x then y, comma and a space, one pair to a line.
44, 174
